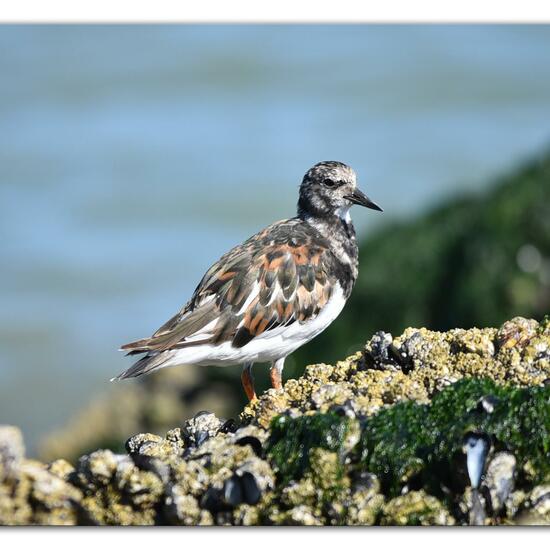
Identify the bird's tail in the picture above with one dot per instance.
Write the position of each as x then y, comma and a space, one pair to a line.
150, 362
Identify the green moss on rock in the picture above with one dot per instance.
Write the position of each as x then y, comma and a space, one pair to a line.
293, 440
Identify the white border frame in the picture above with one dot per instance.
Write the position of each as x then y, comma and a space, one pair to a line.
278, 11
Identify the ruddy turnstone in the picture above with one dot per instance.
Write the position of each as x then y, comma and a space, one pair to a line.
271, 294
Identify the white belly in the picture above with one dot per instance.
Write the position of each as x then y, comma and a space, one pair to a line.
269, 346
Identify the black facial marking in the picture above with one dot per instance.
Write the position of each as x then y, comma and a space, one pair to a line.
323, 189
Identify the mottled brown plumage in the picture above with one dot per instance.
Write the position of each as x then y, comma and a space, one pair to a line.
295, 278
271, 294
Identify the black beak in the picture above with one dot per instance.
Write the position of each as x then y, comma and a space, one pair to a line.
358, 197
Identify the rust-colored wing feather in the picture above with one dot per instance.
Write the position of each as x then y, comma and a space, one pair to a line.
276, 278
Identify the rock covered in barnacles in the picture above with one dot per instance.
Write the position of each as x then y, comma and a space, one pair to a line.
365, 501
152, 445
539, 501
473, 505
61, 468
499, 479
299, 515
245, 486
330, 395
141, 488
254, 442
412, 348
96, 470
251, 435
516, 333
142, 443
415, 508
223, 473
30, 493
379, 352
201, 427
374, 439
12, 451
55, 500
181, 508
477, 341
536, 507
347, 408
116, 491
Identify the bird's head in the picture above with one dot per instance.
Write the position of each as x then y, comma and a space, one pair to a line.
330, 188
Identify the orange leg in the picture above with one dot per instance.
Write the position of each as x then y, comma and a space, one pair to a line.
248, 382
276, 374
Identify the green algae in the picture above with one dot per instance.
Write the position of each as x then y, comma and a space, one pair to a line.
422, 444
293, 439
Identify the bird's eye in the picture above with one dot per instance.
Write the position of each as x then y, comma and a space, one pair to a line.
329, 183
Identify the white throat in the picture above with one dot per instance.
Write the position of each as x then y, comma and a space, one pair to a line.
343, 214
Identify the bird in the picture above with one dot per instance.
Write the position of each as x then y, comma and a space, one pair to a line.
271, 294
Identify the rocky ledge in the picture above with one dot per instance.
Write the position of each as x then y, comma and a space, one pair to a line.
424, 429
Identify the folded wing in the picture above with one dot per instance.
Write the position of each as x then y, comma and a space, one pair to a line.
255, 288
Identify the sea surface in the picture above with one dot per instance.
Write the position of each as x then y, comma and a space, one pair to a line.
132, 157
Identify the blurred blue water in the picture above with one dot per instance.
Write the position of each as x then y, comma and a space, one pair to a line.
133, 157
